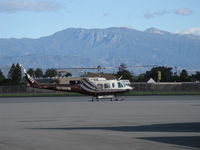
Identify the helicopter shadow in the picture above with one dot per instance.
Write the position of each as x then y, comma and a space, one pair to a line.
188, 141
172, 127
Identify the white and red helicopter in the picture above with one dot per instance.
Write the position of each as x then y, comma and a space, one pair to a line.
98, 87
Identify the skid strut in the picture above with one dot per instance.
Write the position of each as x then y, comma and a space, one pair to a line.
110, 97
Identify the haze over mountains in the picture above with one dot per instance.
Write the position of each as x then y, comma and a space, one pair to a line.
76, 47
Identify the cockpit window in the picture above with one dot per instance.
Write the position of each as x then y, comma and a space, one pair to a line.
113, 85
120, 84
106, 85
100, 86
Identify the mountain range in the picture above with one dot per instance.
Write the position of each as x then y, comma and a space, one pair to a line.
77, 47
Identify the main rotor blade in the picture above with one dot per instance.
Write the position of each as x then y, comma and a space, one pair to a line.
99, 67
133, 66
95, 68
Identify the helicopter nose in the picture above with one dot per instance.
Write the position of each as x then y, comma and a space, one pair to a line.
129, 88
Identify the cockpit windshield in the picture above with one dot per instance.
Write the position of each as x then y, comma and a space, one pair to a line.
120, 85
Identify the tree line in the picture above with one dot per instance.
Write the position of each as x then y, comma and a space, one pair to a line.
166, 75
14, 76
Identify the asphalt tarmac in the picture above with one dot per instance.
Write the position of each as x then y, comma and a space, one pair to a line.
74, 123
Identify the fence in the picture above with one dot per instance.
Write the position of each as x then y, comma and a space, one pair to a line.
22, 89
168, 86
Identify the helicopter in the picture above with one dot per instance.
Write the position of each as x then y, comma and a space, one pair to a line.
97, 87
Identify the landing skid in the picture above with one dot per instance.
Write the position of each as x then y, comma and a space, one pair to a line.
109, 97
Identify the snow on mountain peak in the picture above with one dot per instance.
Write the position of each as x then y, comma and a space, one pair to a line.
192, 31
155, 31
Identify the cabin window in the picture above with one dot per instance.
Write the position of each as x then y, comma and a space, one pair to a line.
119, 84
113, 85
106, 85
100, 86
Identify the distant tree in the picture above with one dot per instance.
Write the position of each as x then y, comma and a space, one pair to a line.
197, 76
184, 77
166, 73
140, 78
123, 73
2, 77
38, 73
18, 74
10, 73
15, 74
31, 72
175, 77
50, 73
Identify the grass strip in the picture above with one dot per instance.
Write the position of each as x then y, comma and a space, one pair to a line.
143, 93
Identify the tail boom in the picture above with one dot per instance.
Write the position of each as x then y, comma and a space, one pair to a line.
51, 86
30, 80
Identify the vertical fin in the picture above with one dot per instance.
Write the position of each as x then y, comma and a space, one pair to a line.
28, 77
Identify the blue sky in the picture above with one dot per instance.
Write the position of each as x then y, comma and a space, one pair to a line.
36, 18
